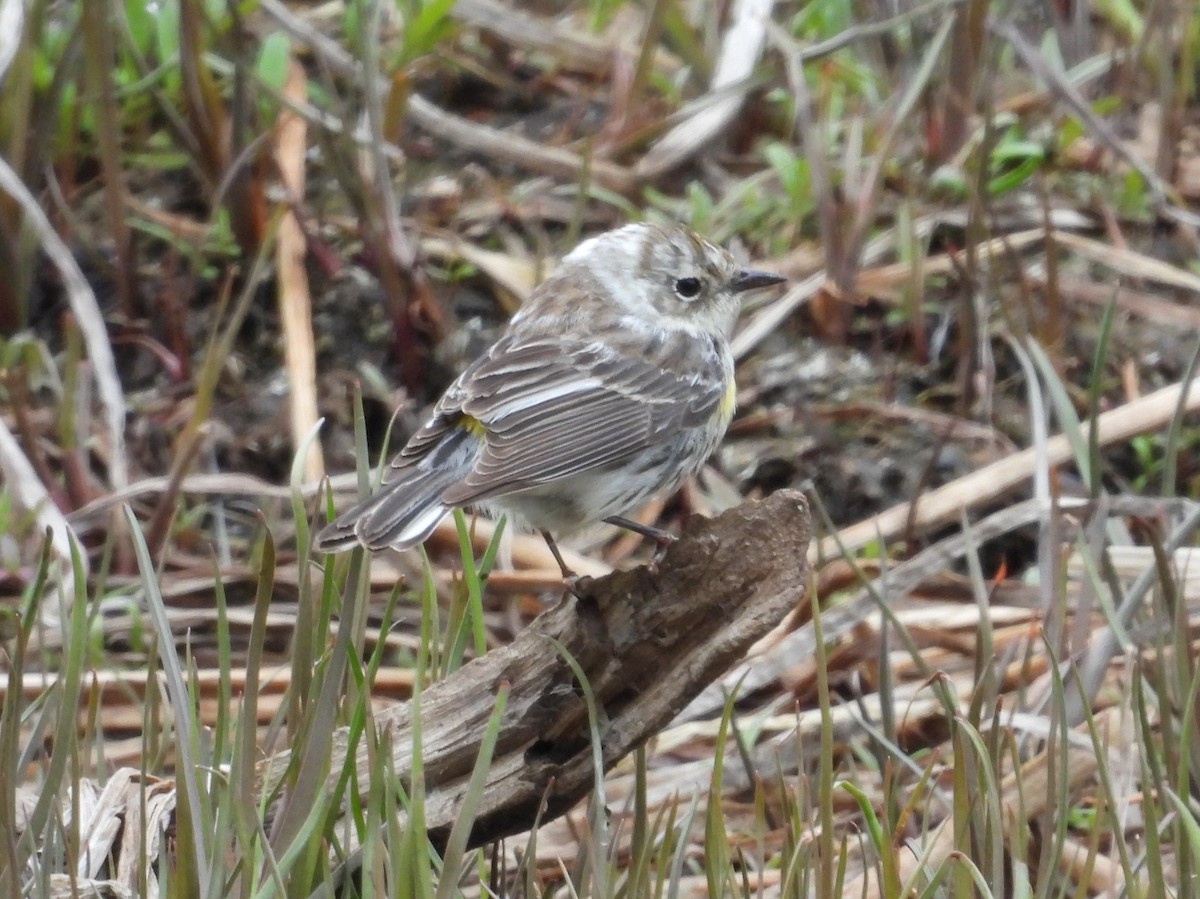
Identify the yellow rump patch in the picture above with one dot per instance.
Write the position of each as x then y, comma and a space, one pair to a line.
472, 426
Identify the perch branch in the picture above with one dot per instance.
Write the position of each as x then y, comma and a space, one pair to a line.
649, 640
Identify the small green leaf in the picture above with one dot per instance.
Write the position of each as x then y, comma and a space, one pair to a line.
167, 26
141, 25
273, 59
429, 27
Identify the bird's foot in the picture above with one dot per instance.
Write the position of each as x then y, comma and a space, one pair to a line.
581, 586
662, 539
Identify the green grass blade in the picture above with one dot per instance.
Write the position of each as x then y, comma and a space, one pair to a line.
456, 844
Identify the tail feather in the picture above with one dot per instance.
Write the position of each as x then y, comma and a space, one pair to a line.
406, 509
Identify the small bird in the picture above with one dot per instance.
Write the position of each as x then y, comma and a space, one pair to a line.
612, 383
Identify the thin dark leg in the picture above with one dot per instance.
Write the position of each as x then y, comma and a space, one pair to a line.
649, 531
567, 573
662, 539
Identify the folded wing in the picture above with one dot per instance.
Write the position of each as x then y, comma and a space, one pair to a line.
552, 409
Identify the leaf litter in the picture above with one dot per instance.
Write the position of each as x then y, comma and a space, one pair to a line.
967, 550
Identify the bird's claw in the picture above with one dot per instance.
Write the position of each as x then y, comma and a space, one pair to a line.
582, 586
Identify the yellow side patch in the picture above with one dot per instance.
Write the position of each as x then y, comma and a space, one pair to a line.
472, 426
728, 403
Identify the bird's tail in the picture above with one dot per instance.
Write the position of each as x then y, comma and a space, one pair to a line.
404, 511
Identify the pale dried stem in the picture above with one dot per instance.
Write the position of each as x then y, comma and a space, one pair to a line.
295, 301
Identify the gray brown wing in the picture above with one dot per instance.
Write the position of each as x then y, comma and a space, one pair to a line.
553, 409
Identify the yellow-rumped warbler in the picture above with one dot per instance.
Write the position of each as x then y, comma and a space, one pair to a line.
613, 383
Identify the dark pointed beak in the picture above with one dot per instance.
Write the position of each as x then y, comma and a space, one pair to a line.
751, 279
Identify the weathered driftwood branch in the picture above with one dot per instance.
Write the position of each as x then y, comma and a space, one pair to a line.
648, 641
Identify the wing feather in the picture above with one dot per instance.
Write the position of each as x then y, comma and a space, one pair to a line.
552, 408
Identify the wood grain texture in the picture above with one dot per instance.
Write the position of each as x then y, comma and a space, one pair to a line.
649, 640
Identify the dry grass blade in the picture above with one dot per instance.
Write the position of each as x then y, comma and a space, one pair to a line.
295, 302
12, 24
516, 276
91, 322
1084, 680
576, 50
778, 652
766, 320
718, 589
1079, 106
956, 221
864, 201
945, 504
1130, 262
30, 494
1025, 796
1130, 561
771, 317
470, 136
516, 150
91, 515
741, 47
1144, 304
884, 278
528, 551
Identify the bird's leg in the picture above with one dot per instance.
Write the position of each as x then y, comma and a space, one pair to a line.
576, 584
567, 573
662, 539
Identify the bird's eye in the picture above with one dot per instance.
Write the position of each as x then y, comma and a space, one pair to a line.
688, 288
